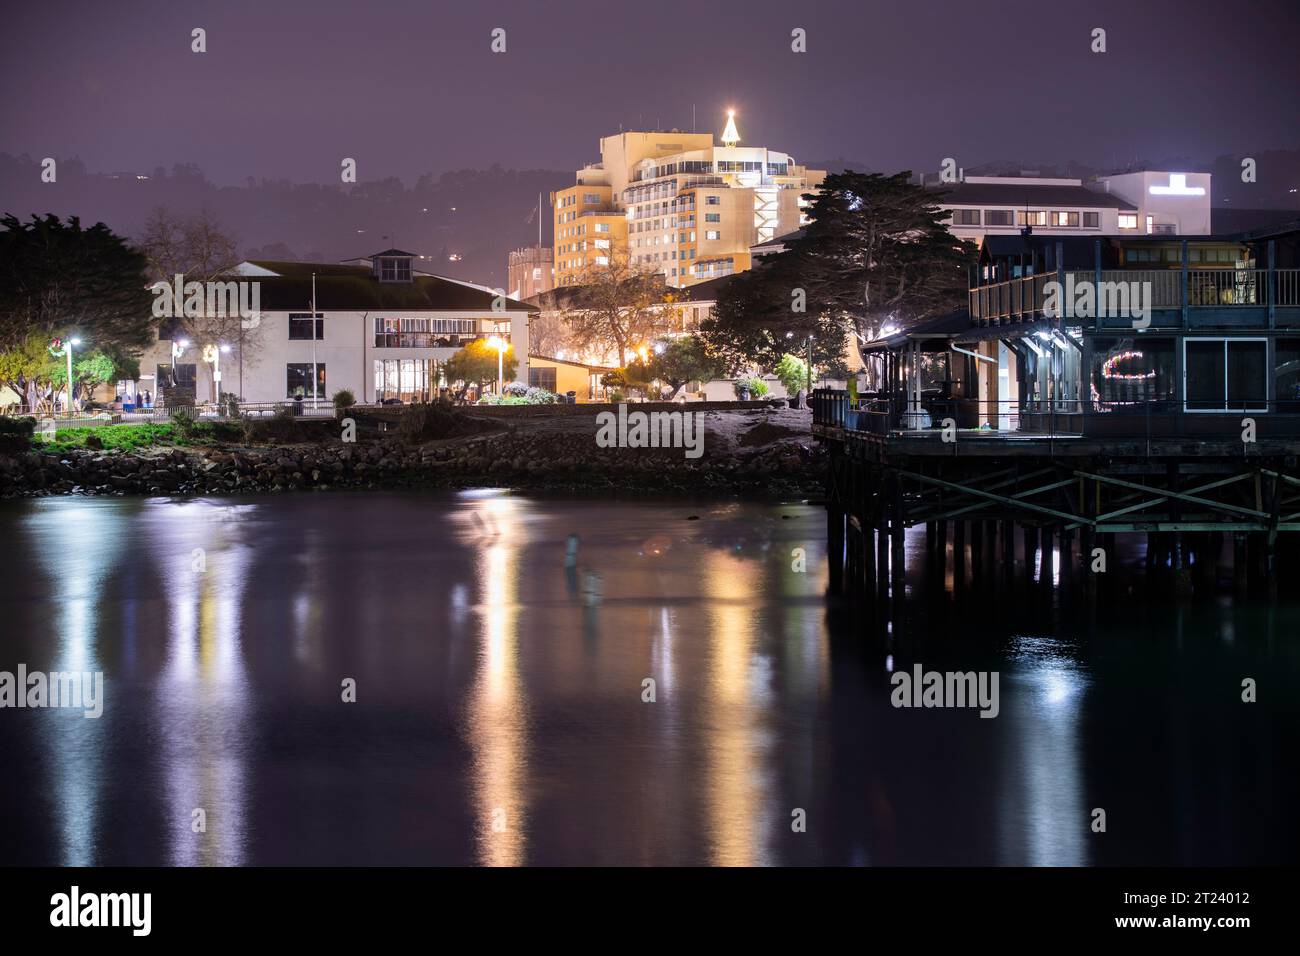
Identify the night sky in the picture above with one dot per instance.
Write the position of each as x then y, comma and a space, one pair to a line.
287, 89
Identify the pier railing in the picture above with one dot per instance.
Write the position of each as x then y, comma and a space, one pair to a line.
900, 416
1023, 299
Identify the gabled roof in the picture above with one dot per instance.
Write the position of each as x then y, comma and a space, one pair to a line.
391, 252
1013, 195
943, 327
287, 286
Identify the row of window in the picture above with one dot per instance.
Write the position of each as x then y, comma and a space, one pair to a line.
1030, 217
1174, 254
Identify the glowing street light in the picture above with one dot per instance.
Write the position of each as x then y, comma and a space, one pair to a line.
498, 343
68, 350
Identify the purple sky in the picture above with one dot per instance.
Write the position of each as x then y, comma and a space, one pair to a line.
287, 89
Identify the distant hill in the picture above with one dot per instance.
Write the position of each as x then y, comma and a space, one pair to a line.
478, 215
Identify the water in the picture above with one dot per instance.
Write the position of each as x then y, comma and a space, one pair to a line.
499, 716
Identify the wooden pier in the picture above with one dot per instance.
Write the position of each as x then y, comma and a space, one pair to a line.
1056, 494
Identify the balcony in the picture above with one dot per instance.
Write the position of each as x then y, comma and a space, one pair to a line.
1232, 297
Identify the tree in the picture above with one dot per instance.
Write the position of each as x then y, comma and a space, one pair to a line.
677, 361
58, 280
476, 364
877, 250
792, 372
617, 307
200, 250
96, 367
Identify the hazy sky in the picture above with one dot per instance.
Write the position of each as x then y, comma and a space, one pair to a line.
290, 87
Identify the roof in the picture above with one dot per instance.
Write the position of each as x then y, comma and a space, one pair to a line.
1013, 195
779, 243
944, 327
391, 252
590, 368
1077, 251
355, 289
706, 291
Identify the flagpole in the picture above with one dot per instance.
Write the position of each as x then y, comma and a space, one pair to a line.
313, 340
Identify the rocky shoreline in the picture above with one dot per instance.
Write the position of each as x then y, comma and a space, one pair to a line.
519, 457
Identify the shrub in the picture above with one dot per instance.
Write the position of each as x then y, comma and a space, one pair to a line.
343, 399
183, 417
517, 389
792, 372
540, 396
16, 433
756, 386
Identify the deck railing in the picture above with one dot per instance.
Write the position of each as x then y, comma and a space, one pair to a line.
1023, 298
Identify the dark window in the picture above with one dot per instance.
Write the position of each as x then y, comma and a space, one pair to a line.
966, 217
999, 217
1205, 375
301, 323
299, 380
542, 378
1091, 220
1227, 375
186, 375
394, 269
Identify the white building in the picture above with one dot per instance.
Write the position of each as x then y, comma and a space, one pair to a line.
377, 328
1142, 203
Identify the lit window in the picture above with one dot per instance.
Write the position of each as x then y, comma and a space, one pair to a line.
712, 234
1128, 220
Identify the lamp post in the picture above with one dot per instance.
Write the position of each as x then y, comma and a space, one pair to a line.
68, 350
498, 343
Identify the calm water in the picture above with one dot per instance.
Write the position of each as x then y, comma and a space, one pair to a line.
499, 715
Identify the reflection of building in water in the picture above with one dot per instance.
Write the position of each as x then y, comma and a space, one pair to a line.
74, 536
1045, 821
739, 778
498, 726
202, 696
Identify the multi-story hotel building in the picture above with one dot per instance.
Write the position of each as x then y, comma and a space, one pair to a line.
677, 204
375, 326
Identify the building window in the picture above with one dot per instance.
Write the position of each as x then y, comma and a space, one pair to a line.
1128, 373
1128, 220
408, 380
713, 217
712, 200
186, 376
1091, 220
1032, 217
1226, 375
965, 217
999, 217
1065, 219
298, 377
591, 199
712, 234
542, 378
394, 269
301, 325
602, 227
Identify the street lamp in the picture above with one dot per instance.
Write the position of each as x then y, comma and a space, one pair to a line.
71, 343
498, 343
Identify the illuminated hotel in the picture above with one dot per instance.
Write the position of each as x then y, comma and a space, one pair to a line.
677, 204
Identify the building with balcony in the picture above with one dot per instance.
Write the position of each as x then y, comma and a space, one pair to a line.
375, 326
678, 204
1153, 335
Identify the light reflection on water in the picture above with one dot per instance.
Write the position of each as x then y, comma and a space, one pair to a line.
500, 717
